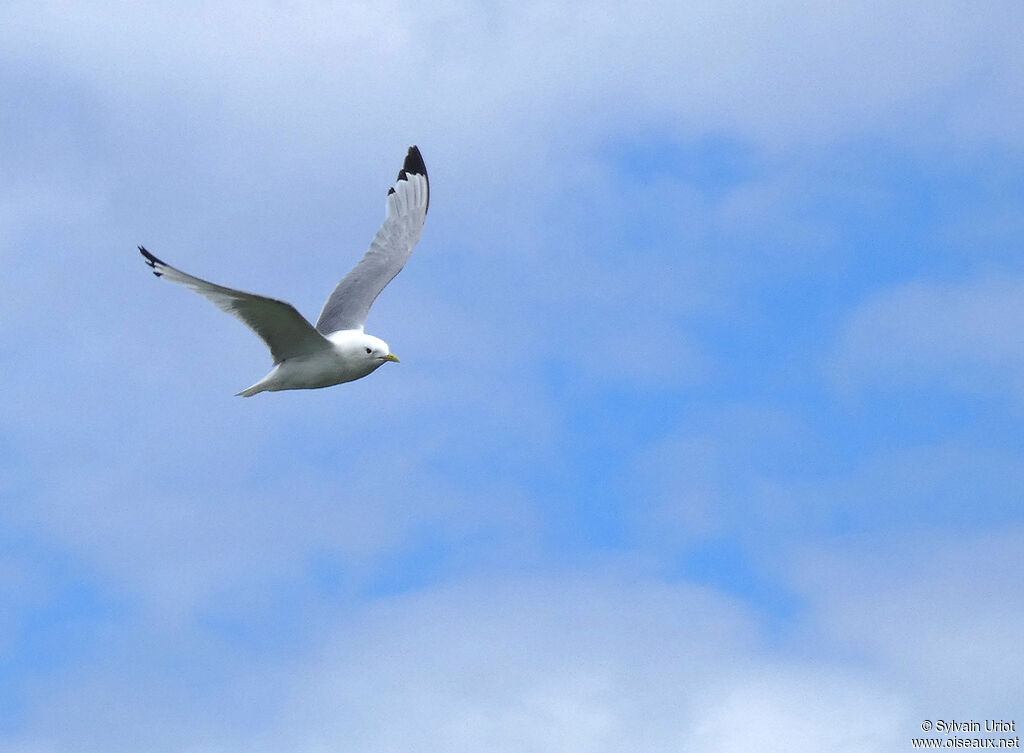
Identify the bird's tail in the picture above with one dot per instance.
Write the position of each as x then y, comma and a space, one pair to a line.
267, 383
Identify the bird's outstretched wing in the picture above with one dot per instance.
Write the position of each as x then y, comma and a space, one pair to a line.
285, 331
406, 211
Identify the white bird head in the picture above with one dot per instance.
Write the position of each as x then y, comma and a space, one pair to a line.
375, 349
360, 348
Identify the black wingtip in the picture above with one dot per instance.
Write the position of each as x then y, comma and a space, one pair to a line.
414, 162
414, 166
151, 260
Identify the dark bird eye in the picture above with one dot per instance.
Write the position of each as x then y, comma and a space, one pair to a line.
367, 350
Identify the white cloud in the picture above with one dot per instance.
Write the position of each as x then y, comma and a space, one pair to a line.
942, 612
779, 73
791, 708
521, 665
959, 336
183, 500
176, 544
736, 469
597, 664
770, 479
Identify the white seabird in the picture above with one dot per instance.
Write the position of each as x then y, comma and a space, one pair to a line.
336, 350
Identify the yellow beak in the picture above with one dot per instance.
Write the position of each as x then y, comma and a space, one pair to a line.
391, 357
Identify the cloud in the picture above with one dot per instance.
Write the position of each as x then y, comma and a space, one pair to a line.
952, 336
603, 662
733, 469
774, 478
517, 664
249, 546
943, 612
785, 708
177, 543
768, 72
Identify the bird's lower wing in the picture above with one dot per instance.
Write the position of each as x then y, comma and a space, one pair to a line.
285, 331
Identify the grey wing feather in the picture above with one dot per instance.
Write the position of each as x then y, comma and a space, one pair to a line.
406, 211
285, 331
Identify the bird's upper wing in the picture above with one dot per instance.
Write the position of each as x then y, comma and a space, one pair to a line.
285, 331
406, 211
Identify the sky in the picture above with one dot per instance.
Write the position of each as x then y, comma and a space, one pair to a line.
707, 434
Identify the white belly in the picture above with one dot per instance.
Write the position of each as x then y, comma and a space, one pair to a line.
343, 362
318, 370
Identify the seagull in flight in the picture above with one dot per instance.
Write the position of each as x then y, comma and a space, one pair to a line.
337, 349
